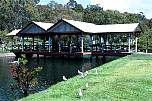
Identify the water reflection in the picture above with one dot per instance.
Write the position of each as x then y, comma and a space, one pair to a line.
53, 70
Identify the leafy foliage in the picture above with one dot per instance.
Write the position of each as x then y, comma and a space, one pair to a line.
24, 76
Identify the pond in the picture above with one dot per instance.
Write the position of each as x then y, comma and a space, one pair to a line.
53, 70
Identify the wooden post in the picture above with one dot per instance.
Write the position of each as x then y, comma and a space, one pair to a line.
82, 43
44, 44
70, 44
33, 42
38, 58
129, 44
59, 43
77, 44
100, 42
49, 43
91, 42
104, 47
136, 48
22, 38
96, 41
12, 42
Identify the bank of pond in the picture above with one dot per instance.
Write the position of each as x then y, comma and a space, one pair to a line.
52, 73
127, 78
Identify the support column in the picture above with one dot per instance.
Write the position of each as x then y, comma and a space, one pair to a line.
100, 42
22, 38
82, 43
136, 48
49, 43
91, 42
44, 44
77, 45
12, 43
129, 43
33, 42
104, 47
96, 37
59, 43
70, 44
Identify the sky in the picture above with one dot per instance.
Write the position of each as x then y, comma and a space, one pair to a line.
132, 6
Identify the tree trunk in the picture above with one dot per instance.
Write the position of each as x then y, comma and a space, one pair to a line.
25, 92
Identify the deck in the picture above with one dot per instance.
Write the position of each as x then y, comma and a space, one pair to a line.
73, 54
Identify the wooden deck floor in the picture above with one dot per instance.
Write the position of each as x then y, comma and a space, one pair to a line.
94, 53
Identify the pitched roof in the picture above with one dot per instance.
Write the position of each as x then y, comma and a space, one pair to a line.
117, 28
14, 32
35, 28
43, 24
83, 26
111, 28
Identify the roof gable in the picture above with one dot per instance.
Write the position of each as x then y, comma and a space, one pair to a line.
64, 27
44, 25
35, 27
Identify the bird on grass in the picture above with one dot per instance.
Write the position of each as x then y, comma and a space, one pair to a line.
96, 71
81, 73
79, 93
64, 78
86, 73
86, 85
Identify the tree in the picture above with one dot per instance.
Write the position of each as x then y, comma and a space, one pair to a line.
71, 4
24, 76
146, 40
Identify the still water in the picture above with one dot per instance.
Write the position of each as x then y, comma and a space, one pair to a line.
53, 70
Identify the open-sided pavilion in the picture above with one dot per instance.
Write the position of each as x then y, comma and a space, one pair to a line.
75, 38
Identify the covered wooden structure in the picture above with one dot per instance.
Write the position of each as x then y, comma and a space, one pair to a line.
75, 38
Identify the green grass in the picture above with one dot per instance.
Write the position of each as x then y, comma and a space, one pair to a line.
124, 79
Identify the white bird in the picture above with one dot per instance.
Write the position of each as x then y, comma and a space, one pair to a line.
86, 73
64, 78
96, 71
15, 62
86, 85
79, 94
81, 73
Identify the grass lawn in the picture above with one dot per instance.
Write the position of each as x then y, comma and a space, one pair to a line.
125, 79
